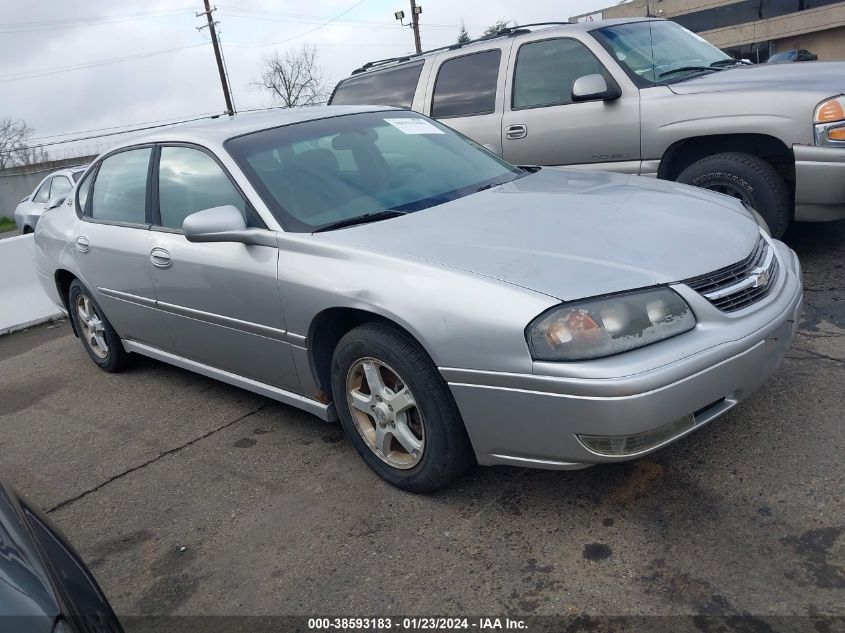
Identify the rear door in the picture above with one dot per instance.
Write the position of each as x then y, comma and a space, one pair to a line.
112, 244
467, 93
543, 126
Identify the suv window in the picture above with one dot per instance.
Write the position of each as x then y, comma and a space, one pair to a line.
545, 71
43, 193
467, 85
392, 87
120, 188
60, 186
190, 180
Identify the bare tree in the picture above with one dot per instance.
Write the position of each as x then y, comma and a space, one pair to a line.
295, 78
14, 137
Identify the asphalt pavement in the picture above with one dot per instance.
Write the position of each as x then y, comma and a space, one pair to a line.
188, 496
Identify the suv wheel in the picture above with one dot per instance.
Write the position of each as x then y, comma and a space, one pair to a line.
98, 336
396, 409
748, 178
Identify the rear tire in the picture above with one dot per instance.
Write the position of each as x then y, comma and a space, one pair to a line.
421, 447
96, 333
749, 178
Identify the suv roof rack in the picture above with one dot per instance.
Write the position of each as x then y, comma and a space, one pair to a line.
507, 31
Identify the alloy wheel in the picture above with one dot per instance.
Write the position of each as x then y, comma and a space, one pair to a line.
385, 413
93, 330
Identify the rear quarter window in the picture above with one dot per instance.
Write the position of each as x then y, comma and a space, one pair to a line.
392, 87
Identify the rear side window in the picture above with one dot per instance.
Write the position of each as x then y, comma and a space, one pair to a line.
392, 87
545, 71
120, 188
190, 180
467, 85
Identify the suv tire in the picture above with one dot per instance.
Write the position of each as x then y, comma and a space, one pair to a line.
748, 178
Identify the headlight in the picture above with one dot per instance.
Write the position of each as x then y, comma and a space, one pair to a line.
829, 120
602, 327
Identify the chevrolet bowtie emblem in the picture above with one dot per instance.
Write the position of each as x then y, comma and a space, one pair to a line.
760, 276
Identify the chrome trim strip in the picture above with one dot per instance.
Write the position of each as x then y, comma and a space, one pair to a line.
125, 296
229, 322
323, 411
297, 339
748, 282
543, 463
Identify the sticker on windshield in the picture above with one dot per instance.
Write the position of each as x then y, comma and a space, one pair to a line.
414, 126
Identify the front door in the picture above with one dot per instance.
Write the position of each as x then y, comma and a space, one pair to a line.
220, 301
112, 243
543, 126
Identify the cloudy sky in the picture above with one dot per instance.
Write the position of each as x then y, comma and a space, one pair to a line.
52, 73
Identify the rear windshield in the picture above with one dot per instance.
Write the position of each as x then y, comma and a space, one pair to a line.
393, 87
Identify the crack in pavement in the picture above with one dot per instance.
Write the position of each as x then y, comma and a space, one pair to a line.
169, 451
813, 354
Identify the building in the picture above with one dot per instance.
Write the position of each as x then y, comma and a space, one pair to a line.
750, 29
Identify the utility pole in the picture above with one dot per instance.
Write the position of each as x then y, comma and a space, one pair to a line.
415, 24
221, 68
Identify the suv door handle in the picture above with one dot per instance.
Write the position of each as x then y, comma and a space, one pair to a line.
160, 257
81, 244
516, 131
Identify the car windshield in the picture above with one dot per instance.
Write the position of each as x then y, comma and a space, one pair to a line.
659, 52
331, 171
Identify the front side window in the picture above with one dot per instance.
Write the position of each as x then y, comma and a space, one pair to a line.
43, 193
315, 174
120, 188
658, 52
392, 87
60, 186
190, 180
466, 85
545, 71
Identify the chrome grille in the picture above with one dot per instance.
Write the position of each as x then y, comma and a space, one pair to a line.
738, 286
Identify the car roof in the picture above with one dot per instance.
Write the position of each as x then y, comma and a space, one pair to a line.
215, 130
550, 28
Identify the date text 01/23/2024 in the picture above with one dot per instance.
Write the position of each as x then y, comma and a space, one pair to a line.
417, 624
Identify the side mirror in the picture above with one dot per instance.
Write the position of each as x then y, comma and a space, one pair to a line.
54, 202
224, 224
593, 88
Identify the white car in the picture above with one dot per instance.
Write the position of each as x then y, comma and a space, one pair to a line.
49, 193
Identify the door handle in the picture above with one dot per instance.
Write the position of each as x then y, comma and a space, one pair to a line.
516, 131
160, 257
81, 244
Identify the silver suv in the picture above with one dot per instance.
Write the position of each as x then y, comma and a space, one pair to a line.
637, 96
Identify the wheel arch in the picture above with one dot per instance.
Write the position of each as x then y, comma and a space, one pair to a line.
683, 153
64, 278
326, 330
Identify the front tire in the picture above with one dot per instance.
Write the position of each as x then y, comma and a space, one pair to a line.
396, 409
96, 333
748, 178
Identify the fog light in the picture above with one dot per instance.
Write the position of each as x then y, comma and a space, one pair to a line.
625, 445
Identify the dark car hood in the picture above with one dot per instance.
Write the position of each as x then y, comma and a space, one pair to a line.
572, 234
826, 77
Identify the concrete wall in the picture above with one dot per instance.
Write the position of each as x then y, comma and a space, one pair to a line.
18, 182
23, 302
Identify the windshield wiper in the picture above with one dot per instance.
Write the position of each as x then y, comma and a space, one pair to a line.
375, 216
727, 62
684, 69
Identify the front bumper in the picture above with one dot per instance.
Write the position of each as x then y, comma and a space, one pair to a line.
534, 420
819, 183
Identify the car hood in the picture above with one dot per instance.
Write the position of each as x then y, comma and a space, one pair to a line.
828, 78
572, 234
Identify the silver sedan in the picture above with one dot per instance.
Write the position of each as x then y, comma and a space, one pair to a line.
372, 265
50, 193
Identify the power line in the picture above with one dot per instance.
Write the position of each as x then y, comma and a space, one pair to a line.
49, 25
139, 129
21, 76
304, 33
115, 127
